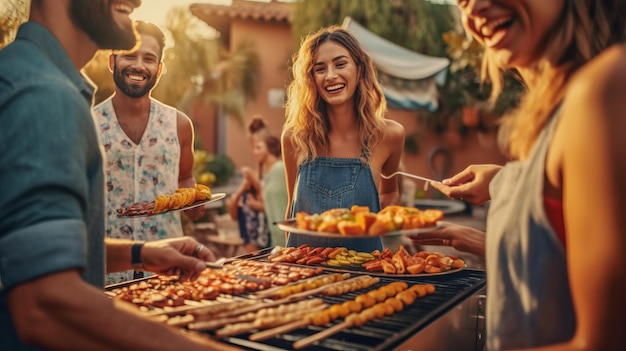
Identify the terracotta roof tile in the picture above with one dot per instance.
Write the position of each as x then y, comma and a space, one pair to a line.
261, 11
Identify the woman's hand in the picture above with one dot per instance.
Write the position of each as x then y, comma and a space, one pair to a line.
462, 238
470, 185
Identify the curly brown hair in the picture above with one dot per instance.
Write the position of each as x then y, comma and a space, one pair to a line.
306, 112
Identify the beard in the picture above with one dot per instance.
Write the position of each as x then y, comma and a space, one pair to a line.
132, 90
96, 19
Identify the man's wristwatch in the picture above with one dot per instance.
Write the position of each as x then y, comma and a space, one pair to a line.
135, 254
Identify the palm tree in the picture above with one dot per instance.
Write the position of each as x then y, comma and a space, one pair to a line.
198, 67
414, 24
98, 71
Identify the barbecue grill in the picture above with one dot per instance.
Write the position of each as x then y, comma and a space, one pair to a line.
450, 319
446, 320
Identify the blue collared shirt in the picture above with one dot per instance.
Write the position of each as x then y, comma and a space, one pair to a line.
51, 177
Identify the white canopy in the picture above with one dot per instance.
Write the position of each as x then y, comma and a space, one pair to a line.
409, 78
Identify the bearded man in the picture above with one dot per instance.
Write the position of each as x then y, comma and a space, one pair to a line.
148, 145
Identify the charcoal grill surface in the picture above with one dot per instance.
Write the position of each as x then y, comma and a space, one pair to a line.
379, 334
387, 332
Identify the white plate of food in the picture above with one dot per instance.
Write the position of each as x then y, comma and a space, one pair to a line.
291, 226
146, 208
407, 275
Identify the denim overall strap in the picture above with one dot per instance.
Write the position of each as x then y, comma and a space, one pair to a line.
325, 183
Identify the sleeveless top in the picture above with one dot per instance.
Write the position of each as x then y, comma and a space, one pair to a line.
554, 211
528, 296
139, 172
325, 183
274, 187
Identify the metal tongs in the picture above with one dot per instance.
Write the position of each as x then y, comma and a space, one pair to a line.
427, 180
408, 175
220, 264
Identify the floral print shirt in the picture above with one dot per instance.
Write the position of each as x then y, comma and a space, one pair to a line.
139, 172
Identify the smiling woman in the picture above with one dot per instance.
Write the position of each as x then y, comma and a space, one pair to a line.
336, 139
566, 130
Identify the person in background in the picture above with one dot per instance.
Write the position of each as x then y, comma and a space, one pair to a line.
336, 140
558, 208
273, 185
148, 145
52, 245
246, 207
257, 129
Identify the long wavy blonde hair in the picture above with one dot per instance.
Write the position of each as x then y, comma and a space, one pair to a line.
306, 112
585, 28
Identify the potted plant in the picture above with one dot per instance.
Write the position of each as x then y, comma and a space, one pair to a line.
467, 93
212, 170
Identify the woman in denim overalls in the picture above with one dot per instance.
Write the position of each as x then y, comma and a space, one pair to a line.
336, 140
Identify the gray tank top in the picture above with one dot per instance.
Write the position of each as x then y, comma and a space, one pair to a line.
528, 295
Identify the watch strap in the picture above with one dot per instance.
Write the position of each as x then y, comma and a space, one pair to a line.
135, 254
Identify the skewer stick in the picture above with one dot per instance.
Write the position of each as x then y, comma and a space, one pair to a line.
211, 306
285, 328
271, 314
215, 323
269, 333
180, 321
271, 291
262, 323
258, 306
254, 306
321, 289
304, 342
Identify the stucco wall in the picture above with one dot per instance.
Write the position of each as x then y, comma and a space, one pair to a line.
471, 148
273, 43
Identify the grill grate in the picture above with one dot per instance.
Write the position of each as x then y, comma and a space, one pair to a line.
379, 334
389, 331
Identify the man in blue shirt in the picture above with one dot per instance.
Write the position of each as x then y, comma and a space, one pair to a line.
52, 254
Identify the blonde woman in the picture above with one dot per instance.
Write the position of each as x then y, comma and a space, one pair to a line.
336, 140
556, 243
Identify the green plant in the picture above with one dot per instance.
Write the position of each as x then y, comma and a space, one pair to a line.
510, 96
463, 88
212, 170
463, 85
